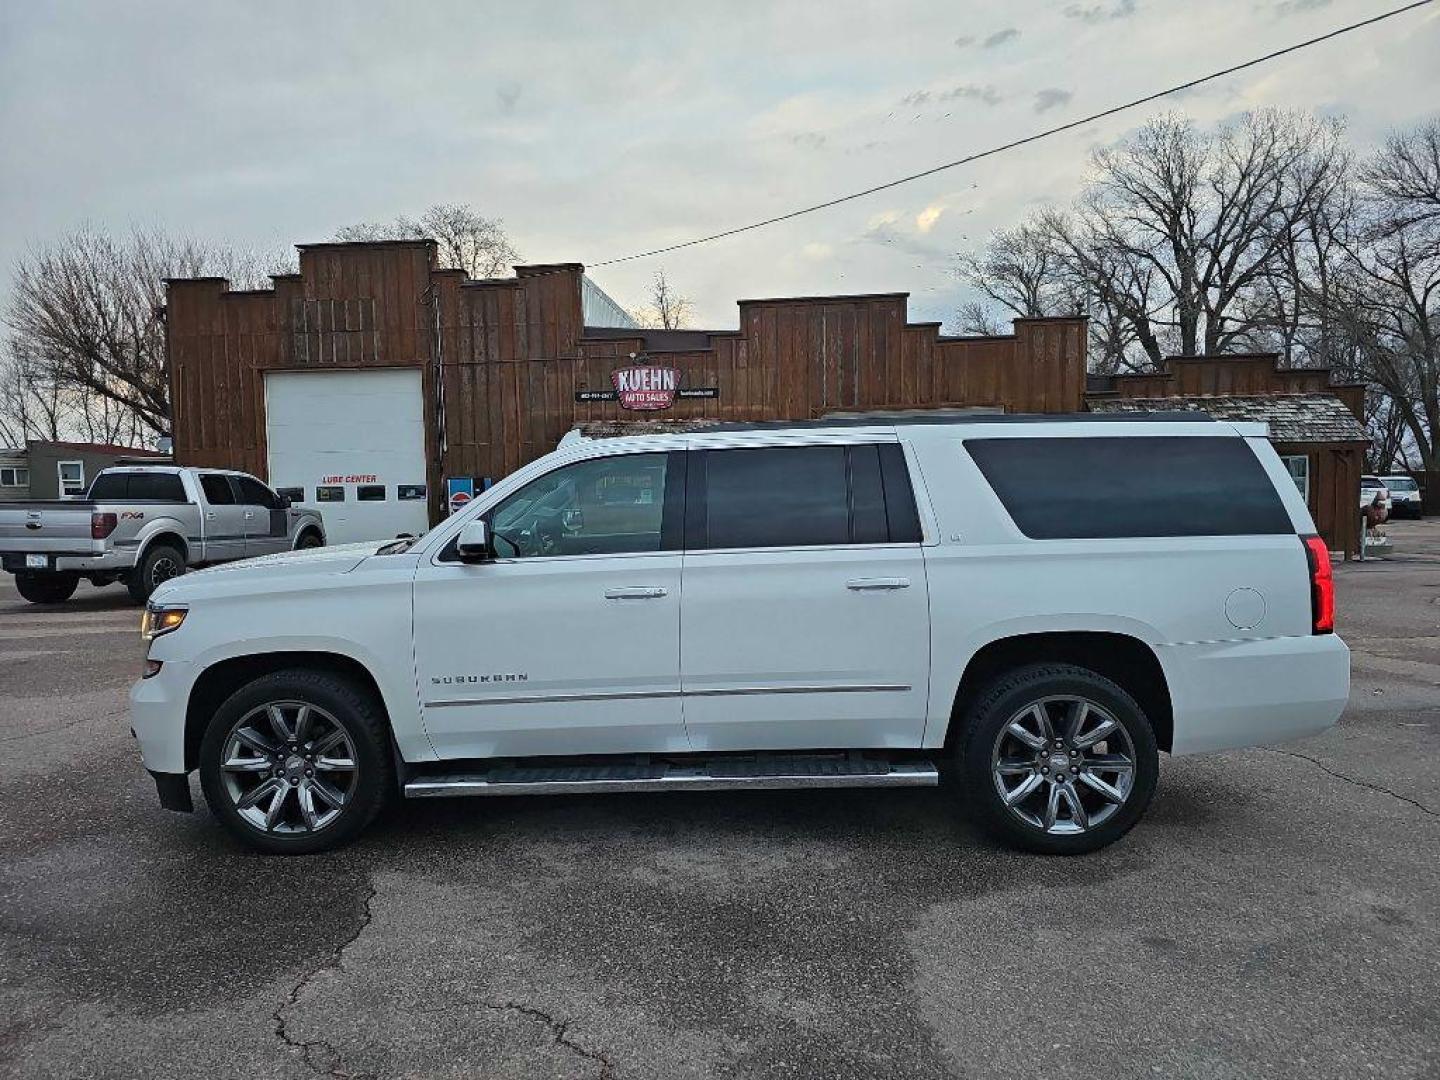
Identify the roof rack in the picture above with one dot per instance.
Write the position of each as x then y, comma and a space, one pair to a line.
914, 419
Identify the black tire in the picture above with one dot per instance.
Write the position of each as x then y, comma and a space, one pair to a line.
46, 588
352, 707
1013, 694
160, 564
309, 539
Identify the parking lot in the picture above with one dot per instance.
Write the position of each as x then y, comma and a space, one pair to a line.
1276, 914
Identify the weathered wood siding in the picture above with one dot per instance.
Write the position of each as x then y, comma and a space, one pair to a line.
510, 354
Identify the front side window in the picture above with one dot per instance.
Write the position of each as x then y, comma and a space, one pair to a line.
604, 506
72, 478
254, 493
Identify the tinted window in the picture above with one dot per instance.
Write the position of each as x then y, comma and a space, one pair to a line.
602, 506
1083, 488
254, 493
217, 489
110, 486
776, 497
294, 494
162, 486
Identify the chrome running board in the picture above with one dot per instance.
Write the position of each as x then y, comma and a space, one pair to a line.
771, 772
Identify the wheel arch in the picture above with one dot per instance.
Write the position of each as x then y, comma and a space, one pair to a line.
1124, 659
221, 679
306, 529
166, 533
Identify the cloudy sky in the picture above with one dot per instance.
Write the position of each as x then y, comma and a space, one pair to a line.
598, 130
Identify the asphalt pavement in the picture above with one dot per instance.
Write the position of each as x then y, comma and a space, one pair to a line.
1277, 914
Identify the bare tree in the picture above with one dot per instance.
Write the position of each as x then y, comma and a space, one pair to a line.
86, 335
665, 308
465, 239
1183, 241
1388, 298
1020, 271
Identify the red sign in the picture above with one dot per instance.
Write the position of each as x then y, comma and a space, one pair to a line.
645, 388
458, 500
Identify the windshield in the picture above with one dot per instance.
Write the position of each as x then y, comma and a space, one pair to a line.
1402, 483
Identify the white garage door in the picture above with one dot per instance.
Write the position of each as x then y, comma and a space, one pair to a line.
353, 443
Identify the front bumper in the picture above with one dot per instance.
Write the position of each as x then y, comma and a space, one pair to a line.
1228, 694
157, 716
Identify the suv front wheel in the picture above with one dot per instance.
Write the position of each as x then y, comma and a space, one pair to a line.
1057, 759
297, 761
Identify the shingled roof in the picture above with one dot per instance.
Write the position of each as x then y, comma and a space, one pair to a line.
1292, 417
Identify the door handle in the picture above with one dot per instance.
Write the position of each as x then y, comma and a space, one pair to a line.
863, 584
635, 592
210, 515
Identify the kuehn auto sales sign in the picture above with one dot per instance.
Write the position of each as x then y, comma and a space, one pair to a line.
646, 388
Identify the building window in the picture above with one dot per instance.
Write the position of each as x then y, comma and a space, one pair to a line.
1298, 466
16, 478
370, 493
410, 491
330, 493
72, 479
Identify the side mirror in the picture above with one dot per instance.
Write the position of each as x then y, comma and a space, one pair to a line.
473, 544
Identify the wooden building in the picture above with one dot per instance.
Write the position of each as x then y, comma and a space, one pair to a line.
480, 377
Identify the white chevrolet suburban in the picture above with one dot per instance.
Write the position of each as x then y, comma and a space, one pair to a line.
1031, 607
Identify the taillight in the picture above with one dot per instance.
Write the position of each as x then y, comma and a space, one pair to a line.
102, 525
1322, 586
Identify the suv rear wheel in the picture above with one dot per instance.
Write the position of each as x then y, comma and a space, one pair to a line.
297, 761
1057, 759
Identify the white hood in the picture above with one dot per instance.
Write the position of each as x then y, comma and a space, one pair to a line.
332, 560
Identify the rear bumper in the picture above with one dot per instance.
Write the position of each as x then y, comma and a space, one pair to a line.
1229, 694
57, 561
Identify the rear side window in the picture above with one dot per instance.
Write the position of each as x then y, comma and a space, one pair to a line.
110, 487
800, 496
217, 489
1103, 488
160, 486
123, 486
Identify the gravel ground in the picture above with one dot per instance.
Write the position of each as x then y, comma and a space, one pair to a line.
1276, 915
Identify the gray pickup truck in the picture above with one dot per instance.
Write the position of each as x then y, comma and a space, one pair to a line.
145, 524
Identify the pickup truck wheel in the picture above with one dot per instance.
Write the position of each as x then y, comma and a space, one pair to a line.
46, 588
297, 762
309, 539
1057, 759
161, 563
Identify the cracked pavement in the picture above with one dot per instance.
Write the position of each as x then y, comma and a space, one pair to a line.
1277, 914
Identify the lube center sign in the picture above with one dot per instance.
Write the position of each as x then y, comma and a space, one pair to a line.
643, 387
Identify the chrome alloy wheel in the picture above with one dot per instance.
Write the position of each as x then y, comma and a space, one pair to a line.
289, 767
1063, 765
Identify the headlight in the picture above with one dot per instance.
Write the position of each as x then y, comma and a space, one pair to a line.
160, 619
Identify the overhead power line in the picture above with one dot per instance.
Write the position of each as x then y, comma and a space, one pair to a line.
1047, 133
